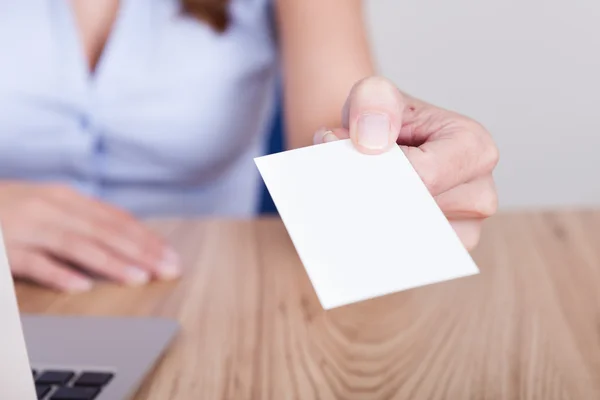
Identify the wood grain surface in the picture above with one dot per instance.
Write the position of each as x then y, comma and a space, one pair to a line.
527, 327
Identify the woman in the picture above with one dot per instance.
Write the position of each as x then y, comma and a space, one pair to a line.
112, 110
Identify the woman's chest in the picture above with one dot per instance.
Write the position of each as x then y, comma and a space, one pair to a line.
165, 88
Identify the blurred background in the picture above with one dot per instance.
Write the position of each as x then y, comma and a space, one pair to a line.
528, 70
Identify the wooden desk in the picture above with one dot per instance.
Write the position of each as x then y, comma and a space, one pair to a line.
528, 327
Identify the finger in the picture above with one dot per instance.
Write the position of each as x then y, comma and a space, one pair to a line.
468, 230
325, 135
88, 255
475, 199
373, 115
118, 231
44, 270
115, 238
460, 155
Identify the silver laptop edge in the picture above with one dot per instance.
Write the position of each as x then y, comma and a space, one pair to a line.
16, 381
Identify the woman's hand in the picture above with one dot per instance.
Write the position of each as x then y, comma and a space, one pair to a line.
453, 155
50, 229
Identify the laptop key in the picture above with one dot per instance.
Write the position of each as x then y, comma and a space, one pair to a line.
54, 377
94, 379
42, 390
75, 393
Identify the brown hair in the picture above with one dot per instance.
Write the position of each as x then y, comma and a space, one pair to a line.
213, 12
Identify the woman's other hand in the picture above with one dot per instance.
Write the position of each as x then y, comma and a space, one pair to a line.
453, 155
48, 229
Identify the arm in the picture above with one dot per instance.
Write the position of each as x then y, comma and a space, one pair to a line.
324, 52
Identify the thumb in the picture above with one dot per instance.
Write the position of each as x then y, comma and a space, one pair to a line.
373, 115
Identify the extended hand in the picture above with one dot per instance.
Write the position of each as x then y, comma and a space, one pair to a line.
453, 155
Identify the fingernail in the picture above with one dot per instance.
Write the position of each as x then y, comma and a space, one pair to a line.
137, 276
373, 131
320, 136
80, 285
169, 267
329, 137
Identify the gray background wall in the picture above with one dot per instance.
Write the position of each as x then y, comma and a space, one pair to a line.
527, 69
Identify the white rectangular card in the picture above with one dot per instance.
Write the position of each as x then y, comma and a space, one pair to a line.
363, 226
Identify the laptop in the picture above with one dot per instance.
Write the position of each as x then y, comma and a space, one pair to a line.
74, 358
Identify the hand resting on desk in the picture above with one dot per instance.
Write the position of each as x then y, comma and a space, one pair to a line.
48, 227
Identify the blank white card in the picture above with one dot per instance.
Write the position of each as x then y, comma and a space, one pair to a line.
363, 226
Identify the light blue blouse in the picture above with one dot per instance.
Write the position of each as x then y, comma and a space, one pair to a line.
169, 122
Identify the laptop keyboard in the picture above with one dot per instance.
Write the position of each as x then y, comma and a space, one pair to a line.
69, 385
